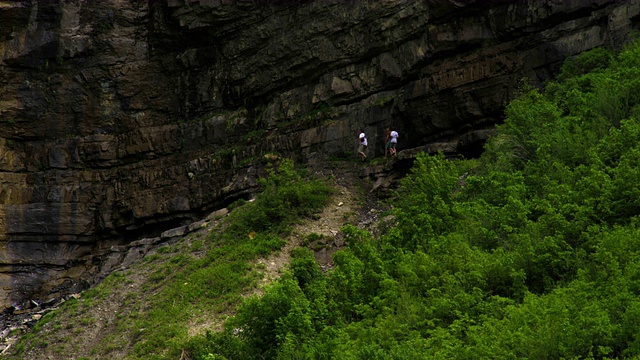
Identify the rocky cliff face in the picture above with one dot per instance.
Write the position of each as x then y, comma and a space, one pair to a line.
121, 118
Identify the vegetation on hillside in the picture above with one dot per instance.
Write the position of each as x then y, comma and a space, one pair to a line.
532, 251
185, 282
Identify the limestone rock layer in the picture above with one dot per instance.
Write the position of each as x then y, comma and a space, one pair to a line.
122, 118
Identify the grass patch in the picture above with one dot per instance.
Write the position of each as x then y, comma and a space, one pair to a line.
216, 282
183, 289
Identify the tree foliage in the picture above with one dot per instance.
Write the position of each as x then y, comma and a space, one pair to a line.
531, 253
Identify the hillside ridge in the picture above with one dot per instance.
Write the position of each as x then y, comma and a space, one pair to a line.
353, 203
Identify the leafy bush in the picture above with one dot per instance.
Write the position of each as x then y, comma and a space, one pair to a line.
215, 282
284, 197
530, 254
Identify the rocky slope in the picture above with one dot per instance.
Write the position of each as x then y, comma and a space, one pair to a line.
67, 335
120, 119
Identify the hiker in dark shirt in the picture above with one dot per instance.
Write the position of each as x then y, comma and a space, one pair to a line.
387, 142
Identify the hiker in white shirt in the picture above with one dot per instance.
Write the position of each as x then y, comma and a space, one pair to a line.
362, 145
393, 141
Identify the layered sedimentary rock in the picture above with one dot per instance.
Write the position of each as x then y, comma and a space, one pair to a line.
122, 118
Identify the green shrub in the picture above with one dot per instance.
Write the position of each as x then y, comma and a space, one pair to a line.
531, 251
528, 252
285, 196
215, 282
